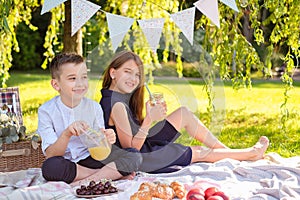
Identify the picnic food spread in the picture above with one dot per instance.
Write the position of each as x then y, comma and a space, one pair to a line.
226, 175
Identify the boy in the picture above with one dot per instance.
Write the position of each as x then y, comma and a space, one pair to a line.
63, 118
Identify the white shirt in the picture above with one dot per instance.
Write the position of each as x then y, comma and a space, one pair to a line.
54, 117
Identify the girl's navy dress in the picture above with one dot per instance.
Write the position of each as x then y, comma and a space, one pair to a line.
160, 153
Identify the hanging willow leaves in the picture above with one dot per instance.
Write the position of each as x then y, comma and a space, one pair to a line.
285, 18
51, 39
12, 13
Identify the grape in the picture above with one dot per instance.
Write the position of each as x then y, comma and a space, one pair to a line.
107, 184
98, 192
106, 191
93, 188
112, 189
92, 184
100, 184
78, 190
101, 187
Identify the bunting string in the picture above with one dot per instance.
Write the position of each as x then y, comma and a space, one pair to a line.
118, 26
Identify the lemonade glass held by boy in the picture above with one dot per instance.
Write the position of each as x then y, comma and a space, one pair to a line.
97, 144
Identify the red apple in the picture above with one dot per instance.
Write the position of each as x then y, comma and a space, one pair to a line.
210, 191
194, 194
221, 194
213, 197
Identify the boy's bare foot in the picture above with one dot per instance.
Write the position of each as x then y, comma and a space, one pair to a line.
84, 181
260, 148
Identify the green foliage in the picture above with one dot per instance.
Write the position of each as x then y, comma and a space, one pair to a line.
12, 13
285, 19
27, 57
191, 70
52, 42
167, 69
4, 12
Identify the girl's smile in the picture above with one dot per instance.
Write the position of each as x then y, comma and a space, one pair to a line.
126, 78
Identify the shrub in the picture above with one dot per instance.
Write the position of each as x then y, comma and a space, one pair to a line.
190, 70
167, 69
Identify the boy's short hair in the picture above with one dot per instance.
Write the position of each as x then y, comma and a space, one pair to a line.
61, 59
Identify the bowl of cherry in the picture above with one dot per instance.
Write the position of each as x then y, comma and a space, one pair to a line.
94, 189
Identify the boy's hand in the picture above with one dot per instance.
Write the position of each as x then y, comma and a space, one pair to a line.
110, 135
77, 128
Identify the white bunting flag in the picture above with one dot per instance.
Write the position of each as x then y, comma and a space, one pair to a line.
185, 21
210, 9
49, 4
81, 12
118, 26
231, 4
152, 29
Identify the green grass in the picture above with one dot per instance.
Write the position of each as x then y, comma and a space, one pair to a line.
241, 116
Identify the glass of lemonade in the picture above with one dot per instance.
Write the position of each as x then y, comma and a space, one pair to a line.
96, 143
157, 97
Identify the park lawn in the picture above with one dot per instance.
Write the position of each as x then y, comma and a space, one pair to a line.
240, 116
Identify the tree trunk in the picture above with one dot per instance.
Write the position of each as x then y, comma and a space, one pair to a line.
247, 30
71, 43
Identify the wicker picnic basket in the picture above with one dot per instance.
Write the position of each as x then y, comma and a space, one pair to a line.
20, 156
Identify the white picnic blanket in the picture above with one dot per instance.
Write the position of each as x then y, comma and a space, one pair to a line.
272, 178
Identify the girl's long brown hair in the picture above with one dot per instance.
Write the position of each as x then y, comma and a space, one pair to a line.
136, 102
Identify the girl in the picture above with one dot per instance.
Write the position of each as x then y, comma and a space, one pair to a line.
123, 101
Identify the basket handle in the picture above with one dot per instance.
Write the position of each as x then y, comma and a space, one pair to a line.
18, 152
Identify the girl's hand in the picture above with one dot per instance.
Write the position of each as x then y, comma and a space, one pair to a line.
76, 128
110, 135
156, 112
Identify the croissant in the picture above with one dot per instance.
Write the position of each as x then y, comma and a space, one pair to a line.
147, 186
141, 195
163, 191
147, 190
179, 189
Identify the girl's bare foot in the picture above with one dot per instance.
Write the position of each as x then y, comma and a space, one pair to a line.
260, 148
